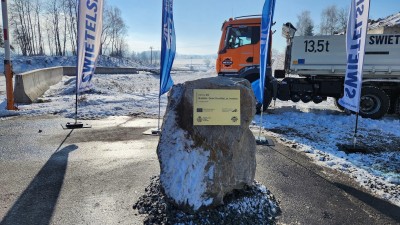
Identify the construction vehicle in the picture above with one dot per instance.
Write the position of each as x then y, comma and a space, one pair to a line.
316, 65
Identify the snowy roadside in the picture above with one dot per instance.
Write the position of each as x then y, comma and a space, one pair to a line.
320, 130
316, 130
113, 95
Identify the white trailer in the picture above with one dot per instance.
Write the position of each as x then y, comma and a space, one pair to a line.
326, 55
320, 61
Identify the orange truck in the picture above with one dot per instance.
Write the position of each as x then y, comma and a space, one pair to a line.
319, 63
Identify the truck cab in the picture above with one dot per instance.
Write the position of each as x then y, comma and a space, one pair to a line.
239, 48
239, 53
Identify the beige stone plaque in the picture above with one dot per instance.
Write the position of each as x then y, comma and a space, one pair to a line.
216, 107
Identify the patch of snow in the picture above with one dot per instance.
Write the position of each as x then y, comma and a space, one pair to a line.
184, 173
113, 95
22, 64
319, 131
392, 20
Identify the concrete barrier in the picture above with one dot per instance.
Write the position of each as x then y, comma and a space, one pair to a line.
71, 70
31, 85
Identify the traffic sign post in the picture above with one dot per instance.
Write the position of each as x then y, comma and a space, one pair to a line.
7, 59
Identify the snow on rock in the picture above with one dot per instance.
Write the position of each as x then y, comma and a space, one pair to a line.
200, 165
183, 168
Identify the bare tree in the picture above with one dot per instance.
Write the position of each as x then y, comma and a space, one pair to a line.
106, 30
114, 32
41, 26
37, 16
157, 59
1, 37
343, 14
49, 39
144, 57
329, 20
71, 12
54, 11
25, 20
305, 25
18, 21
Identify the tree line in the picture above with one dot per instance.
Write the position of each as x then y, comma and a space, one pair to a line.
49, 27
333, 21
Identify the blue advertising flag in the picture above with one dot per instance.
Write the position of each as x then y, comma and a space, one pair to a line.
90, 22
168, 47
357, 27
266, 24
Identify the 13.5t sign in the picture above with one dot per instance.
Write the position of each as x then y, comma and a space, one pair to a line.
316, 46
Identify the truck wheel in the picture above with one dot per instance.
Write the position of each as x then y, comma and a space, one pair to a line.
397, 107
374, 103
340, 107
258, 108
267, 102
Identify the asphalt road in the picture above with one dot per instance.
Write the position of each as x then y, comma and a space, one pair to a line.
94, 176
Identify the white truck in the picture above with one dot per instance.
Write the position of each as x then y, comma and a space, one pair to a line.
320, 61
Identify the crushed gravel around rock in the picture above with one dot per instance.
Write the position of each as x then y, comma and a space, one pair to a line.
253, 205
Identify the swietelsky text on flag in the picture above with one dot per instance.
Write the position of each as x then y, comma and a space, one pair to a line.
90, 22
168, 46
357, 26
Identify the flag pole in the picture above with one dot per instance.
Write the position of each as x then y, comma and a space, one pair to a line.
88, 47
355, 131
159, 113
265, 57
261, 122
76, 99
168, 49
76, 124
357, 27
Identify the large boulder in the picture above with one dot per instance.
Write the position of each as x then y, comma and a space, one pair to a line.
201, 164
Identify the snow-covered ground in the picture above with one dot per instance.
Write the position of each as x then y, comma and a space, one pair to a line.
320, 130
392, 20
316, 130
22, 64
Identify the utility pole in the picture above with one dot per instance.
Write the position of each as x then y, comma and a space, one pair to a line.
7, 58
151, 55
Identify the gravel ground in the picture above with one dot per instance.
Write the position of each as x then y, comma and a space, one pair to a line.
253, 205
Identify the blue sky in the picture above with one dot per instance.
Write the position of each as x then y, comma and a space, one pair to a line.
198, 23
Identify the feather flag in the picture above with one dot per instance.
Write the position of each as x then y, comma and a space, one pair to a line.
266, 24
90, 23
168, 46
357, 26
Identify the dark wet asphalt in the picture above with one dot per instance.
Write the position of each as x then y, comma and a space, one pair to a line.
93, 176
